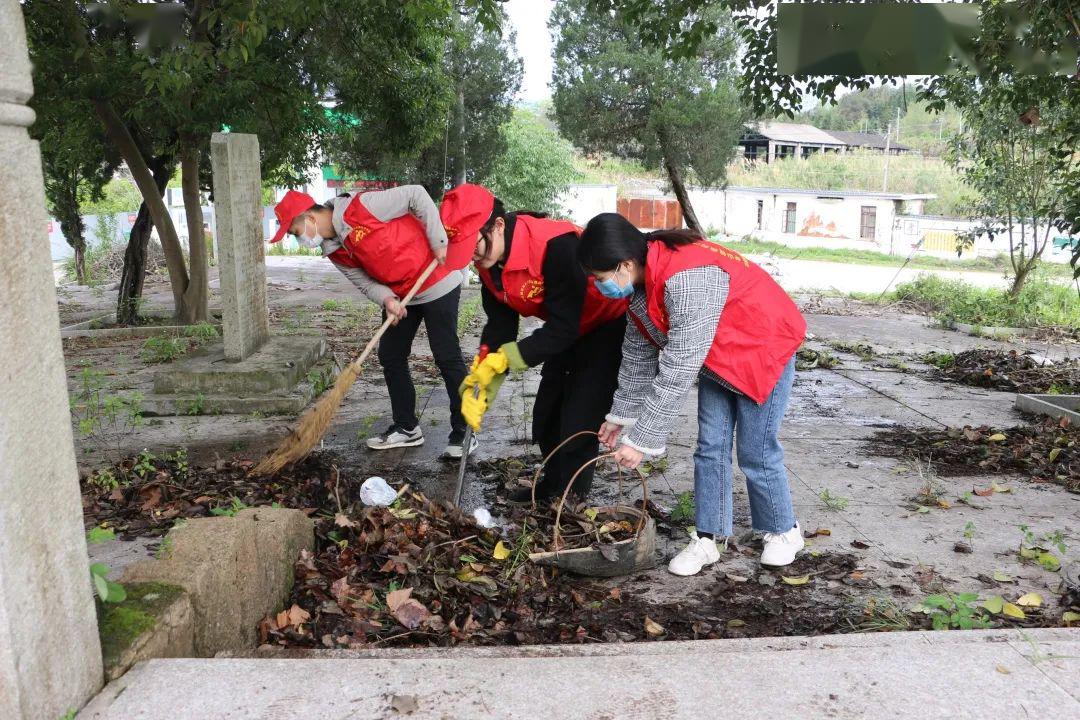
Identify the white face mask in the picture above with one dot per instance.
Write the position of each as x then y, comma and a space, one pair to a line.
309, 241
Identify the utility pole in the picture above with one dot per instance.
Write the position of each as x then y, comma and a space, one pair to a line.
897, 124
885, 178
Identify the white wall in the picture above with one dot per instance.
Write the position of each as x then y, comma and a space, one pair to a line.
820, 220
582, 202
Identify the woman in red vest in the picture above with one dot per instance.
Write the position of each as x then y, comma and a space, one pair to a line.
528, 266
383, 241
700, 311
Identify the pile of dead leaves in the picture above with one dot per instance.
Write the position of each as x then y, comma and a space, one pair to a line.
422, 574
146, 495
1007, 371
1048, 451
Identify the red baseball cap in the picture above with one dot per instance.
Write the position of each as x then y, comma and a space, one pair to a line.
294, 203
464, 210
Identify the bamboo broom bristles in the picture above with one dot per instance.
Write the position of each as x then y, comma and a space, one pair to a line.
313, 424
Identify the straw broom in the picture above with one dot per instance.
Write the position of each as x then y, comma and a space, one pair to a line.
314, 422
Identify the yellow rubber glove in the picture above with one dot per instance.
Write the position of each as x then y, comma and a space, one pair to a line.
487, 374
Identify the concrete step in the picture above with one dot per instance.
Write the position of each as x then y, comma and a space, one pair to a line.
952, 674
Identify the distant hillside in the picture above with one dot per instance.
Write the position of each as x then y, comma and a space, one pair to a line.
861, 171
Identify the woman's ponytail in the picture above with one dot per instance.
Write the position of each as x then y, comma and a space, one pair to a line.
675, 238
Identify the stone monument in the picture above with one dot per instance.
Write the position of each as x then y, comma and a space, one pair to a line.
238, 210
251, 371
50, 657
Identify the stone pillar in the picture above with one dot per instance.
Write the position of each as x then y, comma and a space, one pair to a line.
238, 211
50, 658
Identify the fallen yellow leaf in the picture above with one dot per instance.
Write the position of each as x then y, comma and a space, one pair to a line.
993, 604
652, 627
1030, 599
501, 552
1001, 488
1012, 611
801, 580
1003, 670
1002, 576
1070, 617
591, 513
1053, 454
996, 437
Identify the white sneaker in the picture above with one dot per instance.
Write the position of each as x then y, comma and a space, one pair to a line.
699, 553
781, 548
396, 437
453, 450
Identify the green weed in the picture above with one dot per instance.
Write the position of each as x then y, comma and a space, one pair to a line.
163, 349
684, 508
107, 590
235, 505
954, 611
835, 503
1041, 303
98, 535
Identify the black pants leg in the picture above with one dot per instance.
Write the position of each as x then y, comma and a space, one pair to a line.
575, 394
395, 346
440, 319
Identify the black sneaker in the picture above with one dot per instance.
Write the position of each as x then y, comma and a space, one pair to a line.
454, 447
396, 437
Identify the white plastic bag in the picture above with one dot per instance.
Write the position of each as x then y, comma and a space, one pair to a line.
376, 493
483, 518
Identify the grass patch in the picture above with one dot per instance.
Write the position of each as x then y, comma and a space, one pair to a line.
286, 248
1041, 303
467, 313
852, 256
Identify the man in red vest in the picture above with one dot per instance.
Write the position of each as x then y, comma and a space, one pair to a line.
383, 241
528, 266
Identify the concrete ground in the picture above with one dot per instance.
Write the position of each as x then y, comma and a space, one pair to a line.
832, 413
977, 674
902, 554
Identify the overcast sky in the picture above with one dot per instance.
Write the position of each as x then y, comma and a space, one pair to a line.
529, 18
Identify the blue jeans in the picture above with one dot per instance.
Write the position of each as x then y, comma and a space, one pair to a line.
723, 415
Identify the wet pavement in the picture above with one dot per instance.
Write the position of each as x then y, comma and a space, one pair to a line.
832, 413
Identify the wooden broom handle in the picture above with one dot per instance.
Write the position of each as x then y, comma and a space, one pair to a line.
389, 319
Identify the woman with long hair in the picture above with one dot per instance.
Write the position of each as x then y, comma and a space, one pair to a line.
529, 268
701, 311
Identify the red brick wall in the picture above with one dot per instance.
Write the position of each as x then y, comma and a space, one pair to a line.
647, 213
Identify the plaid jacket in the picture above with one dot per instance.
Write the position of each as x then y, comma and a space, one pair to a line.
656, 376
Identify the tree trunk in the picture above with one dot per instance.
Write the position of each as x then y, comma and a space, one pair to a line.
80, 260
1020, 278
194, 306
134, 273
121, 138
66, 210
459, 140
679, 188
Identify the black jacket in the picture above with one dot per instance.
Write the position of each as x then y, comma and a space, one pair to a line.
564, 295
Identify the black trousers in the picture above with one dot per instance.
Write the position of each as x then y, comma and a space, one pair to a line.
440, 318
576, 389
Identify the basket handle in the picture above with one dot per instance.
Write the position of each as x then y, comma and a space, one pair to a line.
557, 535
557, 448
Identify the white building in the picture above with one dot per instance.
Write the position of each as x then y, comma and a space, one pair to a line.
803, 218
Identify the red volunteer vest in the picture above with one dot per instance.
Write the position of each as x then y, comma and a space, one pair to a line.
760, 327
393, 253
523, 278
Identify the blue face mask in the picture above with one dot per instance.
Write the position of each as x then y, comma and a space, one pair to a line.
611, 289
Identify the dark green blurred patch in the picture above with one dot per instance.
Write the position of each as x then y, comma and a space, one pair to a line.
900, 39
